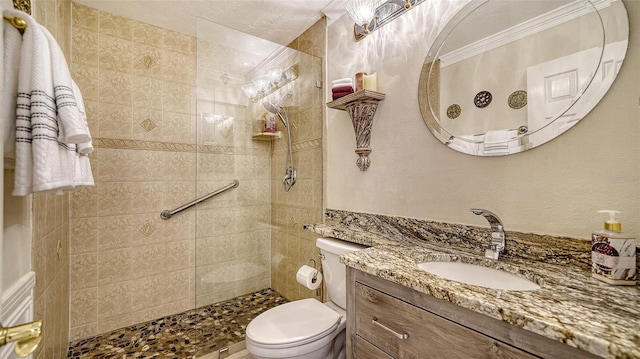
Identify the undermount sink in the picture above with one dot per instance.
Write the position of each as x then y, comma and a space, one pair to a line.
478, 275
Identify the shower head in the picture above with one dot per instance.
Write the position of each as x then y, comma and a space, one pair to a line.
270, 106
275, 108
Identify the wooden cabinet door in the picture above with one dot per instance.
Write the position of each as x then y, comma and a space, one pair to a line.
366, 350
404, 331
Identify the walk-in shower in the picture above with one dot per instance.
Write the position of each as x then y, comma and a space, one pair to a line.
188, 285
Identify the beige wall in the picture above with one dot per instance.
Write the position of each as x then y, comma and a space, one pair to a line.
50, 222
291, 245
553, 189
127, 265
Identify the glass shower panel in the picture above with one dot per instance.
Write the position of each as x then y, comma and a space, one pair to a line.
233, 259
232, 229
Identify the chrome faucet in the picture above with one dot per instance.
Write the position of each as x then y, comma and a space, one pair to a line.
497, 233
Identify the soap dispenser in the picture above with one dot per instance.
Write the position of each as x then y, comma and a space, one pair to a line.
613, 253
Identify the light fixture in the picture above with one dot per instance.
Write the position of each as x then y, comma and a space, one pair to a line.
269, 81
262, 82
275, 74
250, 90
362, 12
382, 14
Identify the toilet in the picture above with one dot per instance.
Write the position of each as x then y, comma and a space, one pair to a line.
307, 328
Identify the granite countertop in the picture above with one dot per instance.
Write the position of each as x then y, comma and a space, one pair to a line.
570, 307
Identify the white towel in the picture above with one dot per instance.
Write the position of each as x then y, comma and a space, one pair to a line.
497, 138
463, 144
347, 81
53, 159
10, 64
83, 176
500, 142
28, 57
86, 147
46, 157
75, 125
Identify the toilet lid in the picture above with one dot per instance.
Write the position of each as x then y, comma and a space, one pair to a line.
293, 322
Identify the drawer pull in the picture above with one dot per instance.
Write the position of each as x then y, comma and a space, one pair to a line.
398, 335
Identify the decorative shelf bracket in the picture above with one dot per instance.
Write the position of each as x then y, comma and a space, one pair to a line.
361, 107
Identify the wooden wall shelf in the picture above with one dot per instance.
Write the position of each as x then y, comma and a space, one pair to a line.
361, 107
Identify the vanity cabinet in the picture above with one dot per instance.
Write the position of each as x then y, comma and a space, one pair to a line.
386, 320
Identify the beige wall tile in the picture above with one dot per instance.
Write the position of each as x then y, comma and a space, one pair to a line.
84, 271
114, 198
86, 47
84, 310
147, 94
114, 232
147, 292
177, 97
175, 41
83, 331
84, 236
115, 120
87, 79
84, 202
117, 165
147, 123
178, 67
116, 88
147, 60
175, 287
114, 266
176, 256
147, 34
115, 54
179, 127
114, 301
85, 17
116, 26
113, 322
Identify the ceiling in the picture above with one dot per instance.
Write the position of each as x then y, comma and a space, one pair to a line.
279, 21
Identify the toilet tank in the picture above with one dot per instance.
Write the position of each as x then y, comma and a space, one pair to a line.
334, 272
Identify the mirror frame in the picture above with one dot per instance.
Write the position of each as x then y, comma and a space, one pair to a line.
429, 83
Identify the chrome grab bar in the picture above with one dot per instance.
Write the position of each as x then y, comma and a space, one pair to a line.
166, 214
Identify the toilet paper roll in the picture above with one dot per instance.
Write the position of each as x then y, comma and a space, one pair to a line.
305, 277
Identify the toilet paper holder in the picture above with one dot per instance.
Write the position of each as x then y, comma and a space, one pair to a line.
315, 277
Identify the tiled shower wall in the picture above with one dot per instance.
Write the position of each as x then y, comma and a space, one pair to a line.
50, 222
128, 265
291, 246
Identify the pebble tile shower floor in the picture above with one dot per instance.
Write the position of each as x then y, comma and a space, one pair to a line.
180, 336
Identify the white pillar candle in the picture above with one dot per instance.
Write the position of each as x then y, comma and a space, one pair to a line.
371, 82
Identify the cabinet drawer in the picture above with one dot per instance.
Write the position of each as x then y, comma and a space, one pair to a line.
364, 350
404, 331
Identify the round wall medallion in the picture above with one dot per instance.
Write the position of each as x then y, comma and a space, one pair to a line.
518, 99
454, 111
482, 99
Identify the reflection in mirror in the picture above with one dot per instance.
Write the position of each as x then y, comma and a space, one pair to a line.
506, 76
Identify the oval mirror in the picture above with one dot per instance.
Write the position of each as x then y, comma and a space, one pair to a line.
506, 76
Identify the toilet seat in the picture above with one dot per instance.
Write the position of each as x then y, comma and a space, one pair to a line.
293, 324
